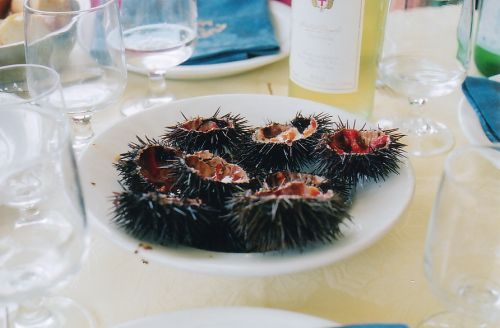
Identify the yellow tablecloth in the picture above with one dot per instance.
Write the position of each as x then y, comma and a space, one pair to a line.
385, 282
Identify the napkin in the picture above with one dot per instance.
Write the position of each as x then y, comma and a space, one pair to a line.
231, 30
484, 96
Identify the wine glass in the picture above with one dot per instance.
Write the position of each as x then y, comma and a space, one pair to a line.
462, 250
43, 228
429, 59
82, 41
158, 35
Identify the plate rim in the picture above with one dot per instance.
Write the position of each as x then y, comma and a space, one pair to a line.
205, 263
200, 72
247, 310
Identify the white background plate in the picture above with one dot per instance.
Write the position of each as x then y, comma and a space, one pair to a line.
231, 317
376, 207
471, 127
281, 20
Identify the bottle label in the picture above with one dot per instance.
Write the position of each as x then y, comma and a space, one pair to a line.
326, 44
488, 31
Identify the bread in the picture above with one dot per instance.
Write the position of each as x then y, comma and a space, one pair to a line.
12, 29
16, 6
4, 8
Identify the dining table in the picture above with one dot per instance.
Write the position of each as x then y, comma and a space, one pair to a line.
384, 282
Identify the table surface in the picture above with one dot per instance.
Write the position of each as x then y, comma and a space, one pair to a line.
384, 283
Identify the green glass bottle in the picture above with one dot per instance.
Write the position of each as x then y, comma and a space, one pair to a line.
487, 48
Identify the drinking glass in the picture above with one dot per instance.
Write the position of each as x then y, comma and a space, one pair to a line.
462, 250
430, 57
82, 41
43, 228
158, 35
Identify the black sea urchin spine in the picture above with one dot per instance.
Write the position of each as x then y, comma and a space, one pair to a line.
224, 139
347, 155
270, 224
158, 218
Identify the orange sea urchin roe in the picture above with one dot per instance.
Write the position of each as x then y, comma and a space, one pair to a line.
150, 167
352, 141
206, 125
211, 167
277, 133
294, 188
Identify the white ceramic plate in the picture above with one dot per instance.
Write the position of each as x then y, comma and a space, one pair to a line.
230, 317
12, 53
471, 127
376, 207
281, 21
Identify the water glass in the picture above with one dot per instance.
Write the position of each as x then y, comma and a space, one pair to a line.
462, 252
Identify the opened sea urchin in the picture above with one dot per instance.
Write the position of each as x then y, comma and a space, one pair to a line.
221, 135
290, 216
277, 179
209, 177
146, 166
359, 154
283, 147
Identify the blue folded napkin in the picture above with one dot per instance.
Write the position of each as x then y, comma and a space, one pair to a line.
231, 30
484, 96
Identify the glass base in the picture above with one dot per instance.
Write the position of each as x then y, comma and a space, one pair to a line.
139, 106
452, 320
57, 312
423, 137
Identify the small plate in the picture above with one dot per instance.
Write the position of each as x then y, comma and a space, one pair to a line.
377, 206
281, 20
230, 317
469, 122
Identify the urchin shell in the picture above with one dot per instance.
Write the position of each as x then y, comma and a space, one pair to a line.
166, 219
340, 187
163, 219
355, 155
283, 147
209, 177
323, 120
145, 167
221, 135
269, 221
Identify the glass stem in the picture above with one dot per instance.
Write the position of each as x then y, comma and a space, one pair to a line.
421, 125
33, 314
157, 85
82, 130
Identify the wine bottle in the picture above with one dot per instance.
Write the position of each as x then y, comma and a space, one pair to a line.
487, 48
335, 45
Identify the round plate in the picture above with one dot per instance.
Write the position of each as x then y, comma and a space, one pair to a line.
12, 53
281, 20
230, 317
471, 127
376, 206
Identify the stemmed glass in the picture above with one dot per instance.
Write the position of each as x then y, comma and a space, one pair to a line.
462, 250
82, 41
158, 35
43, 228
429, 59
